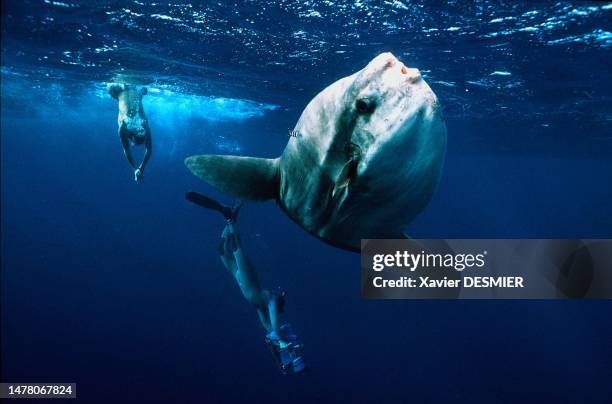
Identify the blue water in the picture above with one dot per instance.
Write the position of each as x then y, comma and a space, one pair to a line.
117, 286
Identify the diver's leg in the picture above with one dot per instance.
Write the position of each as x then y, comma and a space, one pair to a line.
246, 276
273, 313
266, 302
229, 264
265, 320
225, 252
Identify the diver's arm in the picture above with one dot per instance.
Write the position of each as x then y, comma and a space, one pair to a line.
149, 150
126, 149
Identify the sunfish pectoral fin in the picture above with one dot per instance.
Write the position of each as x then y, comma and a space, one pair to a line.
347, 176
247, 178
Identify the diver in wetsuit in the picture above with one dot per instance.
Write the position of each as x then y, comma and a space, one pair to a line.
133, 124
280, 338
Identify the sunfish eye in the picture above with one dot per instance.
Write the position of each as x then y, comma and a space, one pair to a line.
365, 105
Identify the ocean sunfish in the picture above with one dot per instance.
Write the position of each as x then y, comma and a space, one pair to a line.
362, 162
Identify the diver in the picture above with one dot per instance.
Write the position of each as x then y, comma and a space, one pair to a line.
284, 344
133, 124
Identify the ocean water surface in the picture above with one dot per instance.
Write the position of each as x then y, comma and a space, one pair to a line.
117, 286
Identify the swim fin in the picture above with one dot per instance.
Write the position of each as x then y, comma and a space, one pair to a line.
209, 203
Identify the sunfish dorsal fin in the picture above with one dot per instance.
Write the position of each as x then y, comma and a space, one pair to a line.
243, 177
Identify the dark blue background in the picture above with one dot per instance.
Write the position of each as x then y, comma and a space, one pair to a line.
117, 286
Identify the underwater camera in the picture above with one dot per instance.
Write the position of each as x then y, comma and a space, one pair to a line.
287, 350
